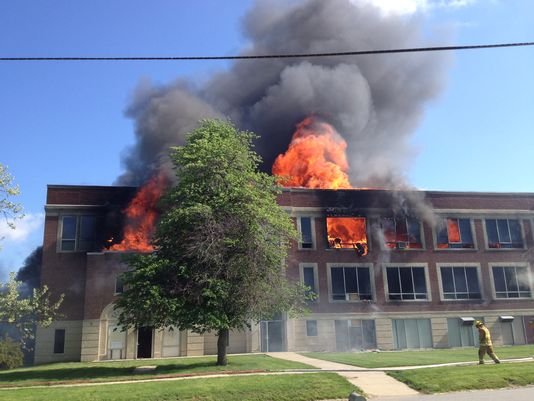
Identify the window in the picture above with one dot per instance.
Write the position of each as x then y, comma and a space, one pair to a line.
412, 333
59, 341
306, 233
406, 283
454, 233
351, 283
511, 282
78, 233
347, 232
460, 282
402, 233
119, 285
504, 233
311, 328
308, 274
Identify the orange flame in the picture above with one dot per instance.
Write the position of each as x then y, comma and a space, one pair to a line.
142, 214
347, 232
316, 158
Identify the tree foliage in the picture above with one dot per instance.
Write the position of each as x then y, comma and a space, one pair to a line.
9, 210
222, 242
24, 313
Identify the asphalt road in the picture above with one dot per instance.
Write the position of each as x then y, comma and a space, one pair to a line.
514, 394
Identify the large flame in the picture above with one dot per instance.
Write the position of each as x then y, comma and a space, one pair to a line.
316, 158
142, 214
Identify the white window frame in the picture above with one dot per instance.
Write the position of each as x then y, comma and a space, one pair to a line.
401, 265
117, 278
460, 264
312, 228
78, 217
329, 267
486, 239
421, 235
458, 217
526, 265
315, 277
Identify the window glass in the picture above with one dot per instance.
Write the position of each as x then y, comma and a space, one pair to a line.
504, 233
460, 282
401, 233
119, 285
68, 233
59, 341
454, 233
311, 328
354, 281
511, 282
306, 238
309, 278
338, 283
406, 283
78, 233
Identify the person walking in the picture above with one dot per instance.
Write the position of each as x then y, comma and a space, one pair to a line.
486, 345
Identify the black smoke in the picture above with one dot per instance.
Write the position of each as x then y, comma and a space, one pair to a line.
375, 102
30, 273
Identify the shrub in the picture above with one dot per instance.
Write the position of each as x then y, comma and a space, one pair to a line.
11, 355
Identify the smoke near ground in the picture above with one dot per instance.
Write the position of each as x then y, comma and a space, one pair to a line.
375, 102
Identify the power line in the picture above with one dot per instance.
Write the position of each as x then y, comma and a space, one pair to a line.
272, 56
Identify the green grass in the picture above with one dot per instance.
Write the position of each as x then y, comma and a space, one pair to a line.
414, 358
291, 387
123, 370
456, 378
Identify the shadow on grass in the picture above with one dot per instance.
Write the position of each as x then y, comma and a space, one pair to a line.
103, 372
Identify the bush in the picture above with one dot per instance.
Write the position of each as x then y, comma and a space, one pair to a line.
11, 355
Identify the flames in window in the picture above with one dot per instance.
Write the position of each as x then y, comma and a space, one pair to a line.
347, 233
141, 214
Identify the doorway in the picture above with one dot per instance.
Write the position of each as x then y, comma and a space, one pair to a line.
144, 342
272, 335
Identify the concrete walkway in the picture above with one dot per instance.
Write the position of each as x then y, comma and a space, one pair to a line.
373, 383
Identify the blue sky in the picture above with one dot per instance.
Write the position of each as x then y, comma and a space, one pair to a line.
64, 123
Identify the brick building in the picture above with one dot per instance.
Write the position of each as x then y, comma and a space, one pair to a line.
391, 270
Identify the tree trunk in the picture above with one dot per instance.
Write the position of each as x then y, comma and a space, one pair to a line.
221, 347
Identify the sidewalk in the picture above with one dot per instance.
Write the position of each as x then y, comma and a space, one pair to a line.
373, 383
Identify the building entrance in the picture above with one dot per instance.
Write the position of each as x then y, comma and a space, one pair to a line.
144, 342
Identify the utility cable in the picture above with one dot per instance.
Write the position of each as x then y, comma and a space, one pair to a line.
273, 56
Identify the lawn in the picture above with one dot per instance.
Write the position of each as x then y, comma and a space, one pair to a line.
456, 378
123, 370
291, 387
414, 358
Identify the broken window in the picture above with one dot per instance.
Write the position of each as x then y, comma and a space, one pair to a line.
460, 282
78, 233
504, 233
454, 233
305, 231
351, 283
406, 283
402, 233
511, 282
347, 233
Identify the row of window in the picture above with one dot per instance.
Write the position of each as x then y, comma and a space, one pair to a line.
410, 282
406, 233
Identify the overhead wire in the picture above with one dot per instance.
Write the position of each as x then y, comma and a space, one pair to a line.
272, 56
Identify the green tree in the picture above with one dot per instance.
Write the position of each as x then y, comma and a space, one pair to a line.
222, 242
9, 210
25, 313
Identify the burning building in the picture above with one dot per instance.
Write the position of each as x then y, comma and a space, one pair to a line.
392, 269
386, 277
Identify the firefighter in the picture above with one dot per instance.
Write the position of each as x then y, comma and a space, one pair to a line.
485, 344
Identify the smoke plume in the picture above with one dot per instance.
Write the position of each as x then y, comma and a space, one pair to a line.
375, 102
